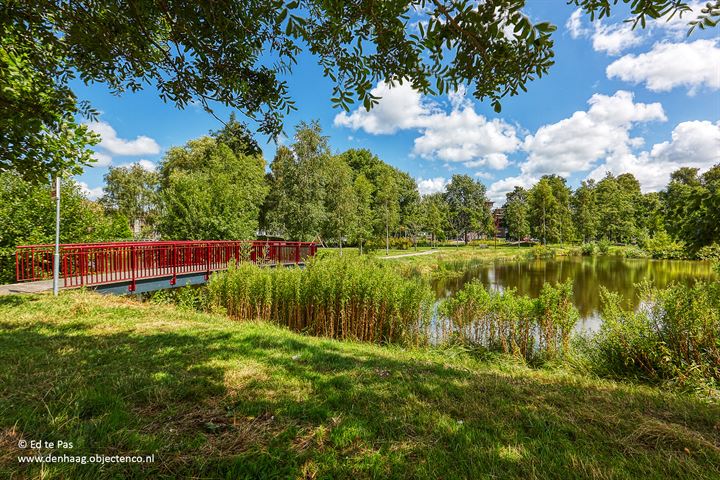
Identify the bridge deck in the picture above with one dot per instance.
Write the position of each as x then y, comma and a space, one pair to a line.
127, 267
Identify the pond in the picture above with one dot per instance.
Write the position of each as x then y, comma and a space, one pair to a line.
588, 275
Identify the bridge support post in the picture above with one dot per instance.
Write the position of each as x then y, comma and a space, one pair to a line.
173, 280
207, 274
133, 264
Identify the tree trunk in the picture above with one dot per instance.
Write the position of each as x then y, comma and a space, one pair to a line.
387, 239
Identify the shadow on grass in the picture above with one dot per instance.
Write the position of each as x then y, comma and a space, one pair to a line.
255, 402
16, 300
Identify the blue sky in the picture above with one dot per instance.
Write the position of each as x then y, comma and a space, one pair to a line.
644, 101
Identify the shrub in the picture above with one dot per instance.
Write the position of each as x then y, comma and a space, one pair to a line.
603, 246
633, 251
400, 243
339, 297
511, 323
588, 249
709, 252
541, 251
662, 246
674, 336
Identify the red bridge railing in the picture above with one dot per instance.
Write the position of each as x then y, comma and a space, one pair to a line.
104, 263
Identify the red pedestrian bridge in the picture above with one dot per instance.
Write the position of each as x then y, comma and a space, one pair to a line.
136, 267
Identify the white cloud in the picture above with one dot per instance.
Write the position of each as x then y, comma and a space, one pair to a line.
146, 164
101, 159
431, 185
578, 142
613, 39
670, 65
498, 189
616, 37
677, 26
460, 135
91, 193
609, 38
142, 145
575, 26
401, 108
693, 144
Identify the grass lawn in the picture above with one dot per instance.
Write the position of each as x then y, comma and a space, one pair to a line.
214, 398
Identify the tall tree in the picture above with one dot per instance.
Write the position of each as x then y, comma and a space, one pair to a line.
700, 225
437, 214
677, 198
364, 225
387, 205
132, 192
341, 203
585, 214
517, 213
299, 176
469, 208
562, 216
209, 193
543, 206
616, 209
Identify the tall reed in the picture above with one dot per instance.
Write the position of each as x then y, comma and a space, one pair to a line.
675, 335
341, 297
512, 323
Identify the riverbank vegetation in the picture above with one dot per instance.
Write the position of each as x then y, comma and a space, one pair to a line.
215, 398
672, 338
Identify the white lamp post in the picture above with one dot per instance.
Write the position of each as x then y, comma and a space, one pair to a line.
56, 262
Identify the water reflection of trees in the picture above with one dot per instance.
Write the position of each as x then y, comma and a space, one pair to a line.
587, 273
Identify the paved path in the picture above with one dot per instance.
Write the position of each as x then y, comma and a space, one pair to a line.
428, 252
27, 287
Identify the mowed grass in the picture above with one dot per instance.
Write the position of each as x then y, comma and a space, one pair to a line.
216, 398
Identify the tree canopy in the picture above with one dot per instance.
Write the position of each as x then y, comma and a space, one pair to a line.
240, 54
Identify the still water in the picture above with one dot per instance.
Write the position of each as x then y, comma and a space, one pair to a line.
588, 275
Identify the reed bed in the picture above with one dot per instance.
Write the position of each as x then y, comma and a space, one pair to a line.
511, 323
343, 298
675, 335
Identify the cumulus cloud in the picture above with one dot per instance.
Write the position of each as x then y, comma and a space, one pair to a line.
693, 144
496, 192
145, 164
431, 185
142, 145
401, 108
613, 39
91, 193
575, 26
609, 38
101, 159
577, 143
458, 135
669, 65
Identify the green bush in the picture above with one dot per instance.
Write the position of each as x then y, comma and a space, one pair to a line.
588, 249
603, 246
633, 251
340, 297
709, 252
541, 251
675, 335
511, 323
664, 247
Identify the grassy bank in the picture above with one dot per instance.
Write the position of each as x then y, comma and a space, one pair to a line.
215, 398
